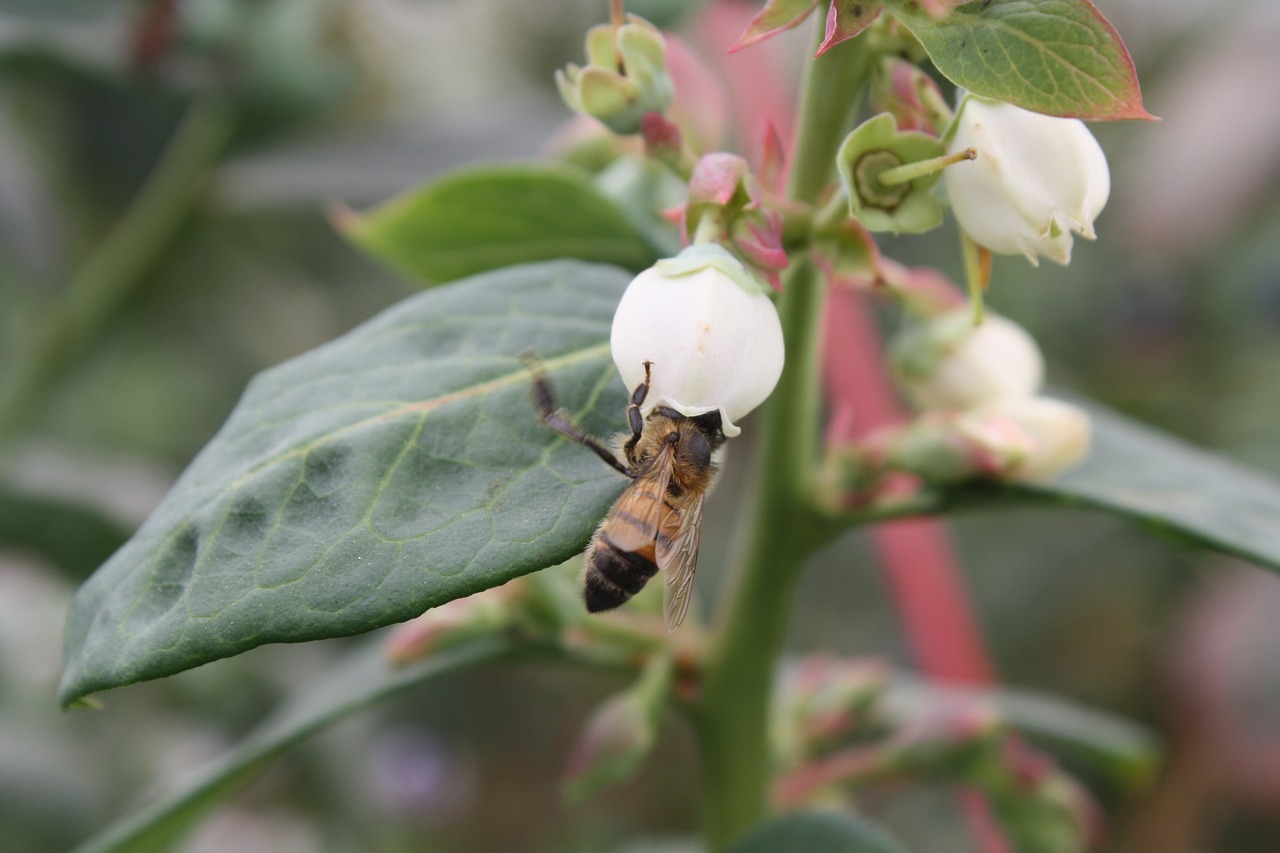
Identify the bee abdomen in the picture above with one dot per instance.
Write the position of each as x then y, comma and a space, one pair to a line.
614, 575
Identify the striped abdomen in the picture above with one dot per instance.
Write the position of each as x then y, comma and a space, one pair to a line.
614, 575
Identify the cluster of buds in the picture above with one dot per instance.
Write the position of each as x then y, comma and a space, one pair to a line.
625, 77
851, 723
980, 386
825, 702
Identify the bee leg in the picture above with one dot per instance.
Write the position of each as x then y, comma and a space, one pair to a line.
560, 421
634, 419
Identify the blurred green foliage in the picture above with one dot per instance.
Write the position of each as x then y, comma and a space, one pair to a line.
1178, 325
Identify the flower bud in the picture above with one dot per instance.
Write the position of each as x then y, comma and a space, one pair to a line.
625, 77
947, 362
866, 155
1036, 437
463, 619
1011, 438
621, 733
1036, 180
712, 335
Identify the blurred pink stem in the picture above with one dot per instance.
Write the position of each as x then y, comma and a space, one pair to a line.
916, 553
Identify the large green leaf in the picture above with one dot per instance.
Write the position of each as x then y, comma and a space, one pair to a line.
488, 217
357, 682
1060, 57
819, 832
394, 469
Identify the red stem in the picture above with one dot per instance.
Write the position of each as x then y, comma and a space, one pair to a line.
919, 563
918, 560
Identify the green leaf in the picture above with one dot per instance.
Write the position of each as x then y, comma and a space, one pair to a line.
74, 537
485, 218
819, 832
1192, 494
358, 682
1059, 57
396, 468
1125, 752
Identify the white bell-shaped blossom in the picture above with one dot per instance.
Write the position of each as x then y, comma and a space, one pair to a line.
947, 362
1037, 179
710, 331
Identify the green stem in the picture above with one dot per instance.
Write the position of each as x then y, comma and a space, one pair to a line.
117, 265
781, 527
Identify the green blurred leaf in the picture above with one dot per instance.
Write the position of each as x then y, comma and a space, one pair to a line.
819, 832
484, 218
1125, 752
1189, 493
74, 537
394, 469
363, 679
1060, 57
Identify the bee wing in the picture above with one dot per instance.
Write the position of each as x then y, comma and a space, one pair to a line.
633, 523
677, 554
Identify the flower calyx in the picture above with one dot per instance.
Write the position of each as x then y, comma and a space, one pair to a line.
1036, 179
625, 77
884, 192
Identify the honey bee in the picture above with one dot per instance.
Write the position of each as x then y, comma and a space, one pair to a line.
656, 523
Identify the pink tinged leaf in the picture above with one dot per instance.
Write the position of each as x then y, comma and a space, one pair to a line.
1061, 58
903, 98
761, 247
661, 136
776, 16
1126, 94
716, 178
846, 19
773, 158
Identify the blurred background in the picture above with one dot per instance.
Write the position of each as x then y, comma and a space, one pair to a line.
165, 169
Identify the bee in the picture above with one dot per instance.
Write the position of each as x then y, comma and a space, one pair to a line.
656, 523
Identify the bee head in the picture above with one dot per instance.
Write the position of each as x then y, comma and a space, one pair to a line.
692, 448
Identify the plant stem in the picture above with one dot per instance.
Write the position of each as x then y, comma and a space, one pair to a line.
781, 527
115, 268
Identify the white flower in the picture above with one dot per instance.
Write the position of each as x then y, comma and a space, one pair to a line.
708, 328
1030, 438
946, 362
1036, 180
